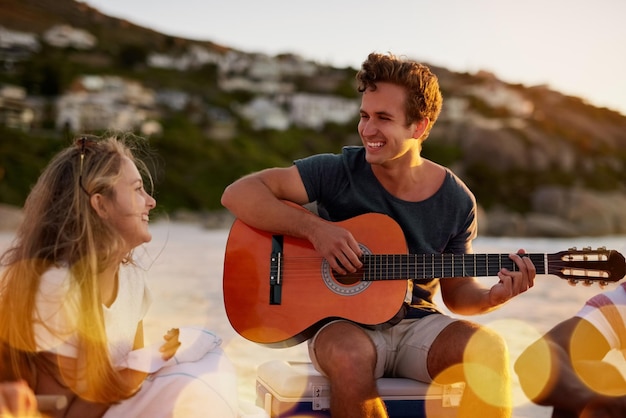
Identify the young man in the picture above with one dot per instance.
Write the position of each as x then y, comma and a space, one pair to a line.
566, 368
400, 103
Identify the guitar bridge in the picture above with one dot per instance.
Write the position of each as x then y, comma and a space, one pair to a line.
276, 270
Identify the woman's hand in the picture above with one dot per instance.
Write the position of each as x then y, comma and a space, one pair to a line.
169, 348
17, 400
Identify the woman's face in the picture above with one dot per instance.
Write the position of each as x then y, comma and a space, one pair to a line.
129, 209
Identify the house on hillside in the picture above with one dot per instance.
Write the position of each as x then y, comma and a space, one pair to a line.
294, 65
16, 39
261, 73
260, 86
315, 110
66, 36
105, 103
166, 61
15, 111
16, 46
301, 109
264, 113
196, 56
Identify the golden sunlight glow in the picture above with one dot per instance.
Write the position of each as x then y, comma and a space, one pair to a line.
519, 335
482, 379
481, 376
433, 406
601, 376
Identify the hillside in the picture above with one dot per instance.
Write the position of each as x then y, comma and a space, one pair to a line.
510, 143
39, 15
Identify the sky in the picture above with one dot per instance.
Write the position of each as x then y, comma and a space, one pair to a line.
576, 47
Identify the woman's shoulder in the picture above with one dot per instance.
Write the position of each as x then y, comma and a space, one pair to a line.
55, 279
133, 283
133, 274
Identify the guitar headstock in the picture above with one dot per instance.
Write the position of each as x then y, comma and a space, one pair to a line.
588, 266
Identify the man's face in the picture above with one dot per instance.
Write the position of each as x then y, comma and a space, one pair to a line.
382, 126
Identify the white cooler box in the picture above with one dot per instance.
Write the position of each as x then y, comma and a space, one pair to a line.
290, 389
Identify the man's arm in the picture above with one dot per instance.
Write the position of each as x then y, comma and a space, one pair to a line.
468, 296
565, 369
259, 200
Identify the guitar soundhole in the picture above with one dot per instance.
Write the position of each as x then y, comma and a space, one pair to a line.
350, 278
345, 285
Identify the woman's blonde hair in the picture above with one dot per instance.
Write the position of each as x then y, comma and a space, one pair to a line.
61, 229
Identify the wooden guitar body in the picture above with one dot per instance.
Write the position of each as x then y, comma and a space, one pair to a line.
308, 300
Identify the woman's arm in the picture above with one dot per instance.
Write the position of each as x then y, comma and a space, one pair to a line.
167, 351
134, 376
51, 378
17, 400
139, 341
565, 369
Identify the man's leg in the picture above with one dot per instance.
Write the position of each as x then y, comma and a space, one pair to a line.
346, 354
467, 352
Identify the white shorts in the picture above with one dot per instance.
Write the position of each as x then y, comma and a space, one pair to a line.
402, 350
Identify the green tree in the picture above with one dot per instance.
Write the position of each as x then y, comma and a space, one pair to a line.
130, 56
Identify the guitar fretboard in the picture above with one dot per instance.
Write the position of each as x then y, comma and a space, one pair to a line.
430, 266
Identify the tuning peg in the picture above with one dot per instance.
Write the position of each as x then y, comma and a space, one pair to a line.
572, 249
587, 283
603, 284
586, 248
603, 248
572, 282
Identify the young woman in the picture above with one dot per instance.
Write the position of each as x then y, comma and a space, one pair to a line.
72, 298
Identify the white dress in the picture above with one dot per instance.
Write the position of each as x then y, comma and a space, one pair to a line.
200, 381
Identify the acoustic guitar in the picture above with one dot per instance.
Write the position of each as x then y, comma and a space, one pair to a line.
278, 291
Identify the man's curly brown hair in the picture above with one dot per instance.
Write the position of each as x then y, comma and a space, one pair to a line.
422, 86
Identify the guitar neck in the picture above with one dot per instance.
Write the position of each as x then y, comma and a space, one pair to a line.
430, 266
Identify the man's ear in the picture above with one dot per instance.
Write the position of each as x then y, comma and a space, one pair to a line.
420, 127
98, 203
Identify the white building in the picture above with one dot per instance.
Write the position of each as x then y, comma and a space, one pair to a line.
12, 38
105, 103
265, 113
14, 109
314, 110
195, 57
65, 36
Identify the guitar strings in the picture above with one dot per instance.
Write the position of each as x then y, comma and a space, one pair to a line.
408, 267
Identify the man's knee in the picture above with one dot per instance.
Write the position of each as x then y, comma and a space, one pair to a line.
344, 346
464, 341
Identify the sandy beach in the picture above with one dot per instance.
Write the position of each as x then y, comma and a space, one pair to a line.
185, 264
